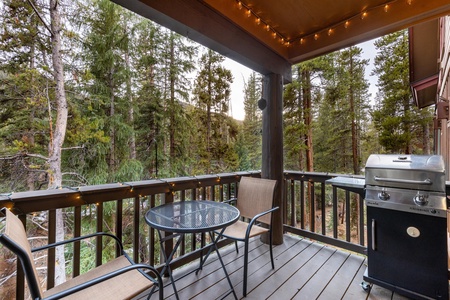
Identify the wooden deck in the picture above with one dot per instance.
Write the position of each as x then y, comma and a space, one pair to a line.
303, 270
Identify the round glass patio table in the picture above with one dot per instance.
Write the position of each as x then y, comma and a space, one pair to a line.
197, 216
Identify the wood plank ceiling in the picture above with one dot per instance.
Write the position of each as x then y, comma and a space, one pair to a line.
269, 36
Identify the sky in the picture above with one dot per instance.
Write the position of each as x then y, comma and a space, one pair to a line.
242, 73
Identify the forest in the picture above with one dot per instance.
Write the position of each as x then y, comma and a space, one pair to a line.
91, 93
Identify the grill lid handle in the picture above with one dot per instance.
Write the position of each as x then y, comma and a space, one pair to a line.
424, 182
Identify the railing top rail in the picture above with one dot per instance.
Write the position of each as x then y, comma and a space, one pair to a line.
31, 201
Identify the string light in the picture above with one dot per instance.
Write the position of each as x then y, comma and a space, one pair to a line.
302, 39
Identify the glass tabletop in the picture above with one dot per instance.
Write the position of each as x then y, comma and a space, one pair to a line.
192, 216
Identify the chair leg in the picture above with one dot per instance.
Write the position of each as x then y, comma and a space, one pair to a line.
244, 292
271, 252
236, 245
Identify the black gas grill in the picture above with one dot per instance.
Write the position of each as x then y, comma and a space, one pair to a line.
407, 225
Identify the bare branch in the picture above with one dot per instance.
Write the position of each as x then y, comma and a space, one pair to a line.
39, 16
74, 147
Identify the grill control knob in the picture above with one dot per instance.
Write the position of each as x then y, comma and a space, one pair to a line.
420, 200
383, 195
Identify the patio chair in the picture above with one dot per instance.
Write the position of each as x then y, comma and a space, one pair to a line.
255, 202
119, 278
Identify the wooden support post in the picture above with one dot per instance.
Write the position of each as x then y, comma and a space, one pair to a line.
272, 146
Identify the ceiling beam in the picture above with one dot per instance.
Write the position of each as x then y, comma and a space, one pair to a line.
198, 22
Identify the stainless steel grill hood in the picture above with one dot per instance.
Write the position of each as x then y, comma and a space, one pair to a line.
416, 172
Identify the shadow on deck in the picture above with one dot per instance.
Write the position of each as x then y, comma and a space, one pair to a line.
304, 269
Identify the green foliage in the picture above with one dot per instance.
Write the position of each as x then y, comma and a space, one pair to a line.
250, 141
399, 123
211, 97
343, 113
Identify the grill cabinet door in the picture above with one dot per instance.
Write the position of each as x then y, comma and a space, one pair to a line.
405, 261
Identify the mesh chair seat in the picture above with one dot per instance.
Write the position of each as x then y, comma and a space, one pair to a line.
124, 286
238, 230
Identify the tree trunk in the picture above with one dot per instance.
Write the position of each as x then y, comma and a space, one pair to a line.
55, 175
112, 129
307, 115
172, 112
132, 142
353, 120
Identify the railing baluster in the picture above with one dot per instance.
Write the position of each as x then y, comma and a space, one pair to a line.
136, 224
99, 240
335, 213
152, 242
348, 211
312, 205
361, 219
119, 219
302, 205
292, 199
51, 252
183, 244
323, 204
76, 245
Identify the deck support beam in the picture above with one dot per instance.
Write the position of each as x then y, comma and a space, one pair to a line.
272, 145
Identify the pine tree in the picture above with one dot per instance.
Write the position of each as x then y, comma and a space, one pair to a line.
399, 123
106, 44
177, 64
211, 97
299, 115
343, 112
251, 140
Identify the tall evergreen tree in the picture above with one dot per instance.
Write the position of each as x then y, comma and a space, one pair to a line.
250, 152
299, 115
211, 96
343, 112
177, 64
399, 122
106, 45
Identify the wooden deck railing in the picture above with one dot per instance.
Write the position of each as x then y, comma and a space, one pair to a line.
312, 209
322, 212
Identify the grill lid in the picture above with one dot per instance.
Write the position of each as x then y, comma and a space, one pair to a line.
417, 172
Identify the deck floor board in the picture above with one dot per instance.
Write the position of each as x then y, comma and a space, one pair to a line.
304, 269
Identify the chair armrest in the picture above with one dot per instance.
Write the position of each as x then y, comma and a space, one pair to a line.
255, 218
77, 239
230, 200
109, 276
